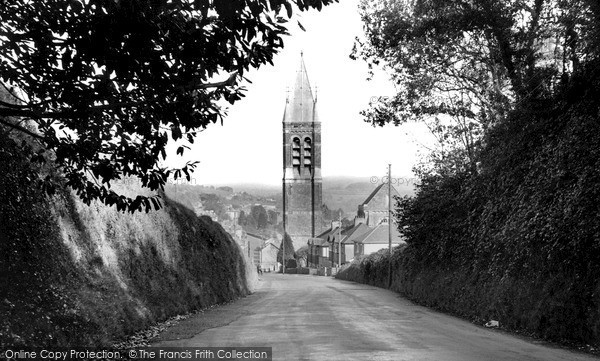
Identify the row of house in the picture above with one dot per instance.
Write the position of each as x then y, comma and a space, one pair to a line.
369, 233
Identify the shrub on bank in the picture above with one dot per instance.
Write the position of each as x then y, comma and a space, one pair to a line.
72, 274
516, 240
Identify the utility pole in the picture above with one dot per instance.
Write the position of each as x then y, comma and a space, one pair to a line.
260, 256
340, 241
283, 251
284, 225
390, 223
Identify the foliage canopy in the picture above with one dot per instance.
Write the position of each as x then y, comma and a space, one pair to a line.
462, 66
103, 84
290, 253
506, 225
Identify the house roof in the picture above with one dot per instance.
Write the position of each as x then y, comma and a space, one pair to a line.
256, 236
324, 234
335, 234
255, 241
327, 233
320, 242
380, 235
267, 244
300, 105
372, 195
377, 190
355, 232
273, 241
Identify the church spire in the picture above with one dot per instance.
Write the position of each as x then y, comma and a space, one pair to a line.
300, 104
302, 181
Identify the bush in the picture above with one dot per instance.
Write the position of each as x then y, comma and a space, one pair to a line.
109, 273
290, 263
516, 241
303, 270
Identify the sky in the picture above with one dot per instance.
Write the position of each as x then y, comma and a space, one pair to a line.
247, 147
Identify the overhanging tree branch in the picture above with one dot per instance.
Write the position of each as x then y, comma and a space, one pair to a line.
18, 110
110, 75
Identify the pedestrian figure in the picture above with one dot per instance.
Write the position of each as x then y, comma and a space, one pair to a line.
258, 269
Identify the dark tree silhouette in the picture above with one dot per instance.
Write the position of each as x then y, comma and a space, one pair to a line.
103, 85
289, 249
260, 216
242, 218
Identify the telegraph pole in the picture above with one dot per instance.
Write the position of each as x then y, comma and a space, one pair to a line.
283, 253
340, 242
390, 223
284, 220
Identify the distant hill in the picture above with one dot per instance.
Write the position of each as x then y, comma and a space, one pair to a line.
338, 192
360, 187
256, 189
348, 192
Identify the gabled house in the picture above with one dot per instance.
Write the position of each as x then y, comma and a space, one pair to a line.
348, 249
375, 239
255, 243
319, 247
369, 234
375, 208
263, 251
268, 257
333, 239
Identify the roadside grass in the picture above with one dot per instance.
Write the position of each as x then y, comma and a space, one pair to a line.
77, 275
535, 306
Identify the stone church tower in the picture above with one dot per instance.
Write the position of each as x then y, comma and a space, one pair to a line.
302, 183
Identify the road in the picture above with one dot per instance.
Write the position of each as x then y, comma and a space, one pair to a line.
320, 318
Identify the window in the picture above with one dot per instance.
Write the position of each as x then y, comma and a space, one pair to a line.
296, 155
307, 153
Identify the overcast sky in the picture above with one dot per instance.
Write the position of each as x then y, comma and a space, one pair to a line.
247, 148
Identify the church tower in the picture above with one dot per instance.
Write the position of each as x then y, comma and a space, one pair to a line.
302, 183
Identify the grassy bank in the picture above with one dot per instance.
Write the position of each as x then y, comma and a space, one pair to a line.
515, 239
77, 275
542, 305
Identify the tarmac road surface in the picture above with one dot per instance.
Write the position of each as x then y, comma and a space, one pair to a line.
305, 317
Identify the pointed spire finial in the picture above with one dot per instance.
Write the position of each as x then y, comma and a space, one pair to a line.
300, 102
